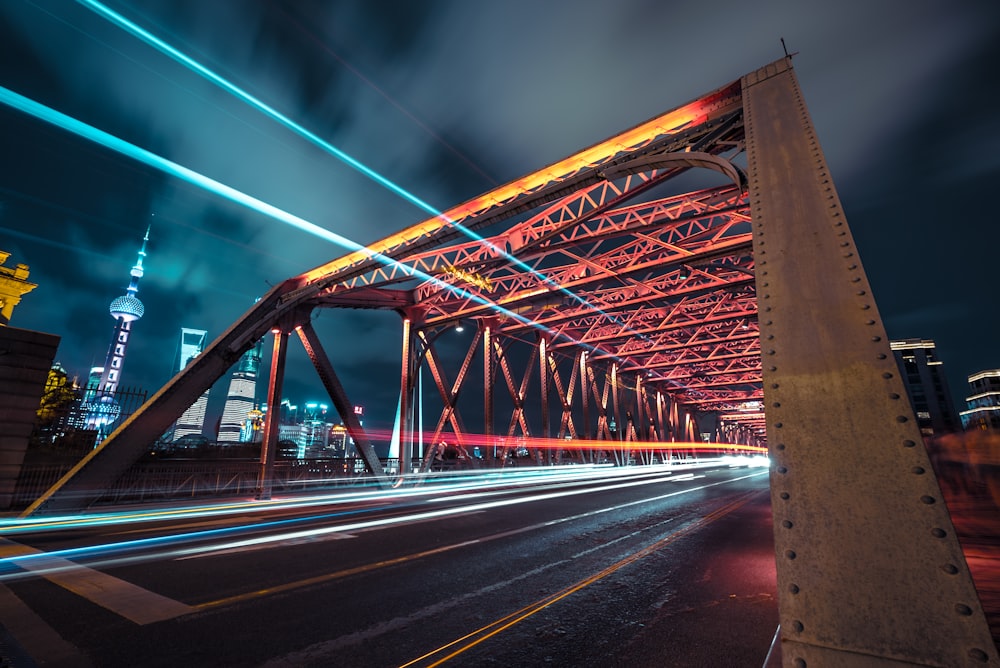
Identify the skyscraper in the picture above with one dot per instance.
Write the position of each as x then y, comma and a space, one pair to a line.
241, 399
927, 386
983, 404
192, 422
103, 410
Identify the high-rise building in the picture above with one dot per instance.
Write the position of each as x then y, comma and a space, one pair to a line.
983, 404
926, 385
103, 410
192, 422
338, 441
237, 422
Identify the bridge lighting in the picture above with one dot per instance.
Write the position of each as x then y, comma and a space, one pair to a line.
144, 156
541, 484
49, 115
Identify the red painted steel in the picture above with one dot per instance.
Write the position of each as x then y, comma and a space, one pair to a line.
600, 253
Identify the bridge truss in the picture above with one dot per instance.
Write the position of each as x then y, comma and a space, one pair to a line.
628, 309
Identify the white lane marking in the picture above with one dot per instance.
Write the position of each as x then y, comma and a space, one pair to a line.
298, 540
36, 637
267, 546
120, 597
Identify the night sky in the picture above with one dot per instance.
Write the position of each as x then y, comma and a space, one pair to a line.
449, 99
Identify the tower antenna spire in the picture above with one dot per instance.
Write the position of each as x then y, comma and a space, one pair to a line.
785, 49
125, 309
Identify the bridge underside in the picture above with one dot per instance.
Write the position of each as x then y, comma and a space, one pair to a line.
634, 305
601, 291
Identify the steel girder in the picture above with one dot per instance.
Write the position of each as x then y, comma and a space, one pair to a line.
870, 571
583, 186
643, 294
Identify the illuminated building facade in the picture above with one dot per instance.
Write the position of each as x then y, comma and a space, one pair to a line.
926, 385
13, 285
338, 441
102, 409
237, 424
313, 436
192, 422
125, 310
983, 404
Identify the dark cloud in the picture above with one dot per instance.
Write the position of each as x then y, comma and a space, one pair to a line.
447, 98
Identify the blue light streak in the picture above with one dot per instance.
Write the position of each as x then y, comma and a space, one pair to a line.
59, 119
274, 114
178, 545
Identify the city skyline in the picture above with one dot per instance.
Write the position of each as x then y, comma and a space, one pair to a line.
898, 108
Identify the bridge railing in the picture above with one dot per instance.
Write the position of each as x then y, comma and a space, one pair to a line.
177, 479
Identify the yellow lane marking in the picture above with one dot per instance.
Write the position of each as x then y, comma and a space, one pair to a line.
120, 597
327, 577
470, 640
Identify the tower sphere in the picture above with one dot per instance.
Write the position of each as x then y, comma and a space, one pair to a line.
127, 307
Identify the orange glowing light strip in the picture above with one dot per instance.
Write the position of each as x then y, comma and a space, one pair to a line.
693, 113
468, 441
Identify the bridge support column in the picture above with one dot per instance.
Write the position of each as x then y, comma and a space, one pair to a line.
586, 432
489, 377
405, 401
870, 572
269, 448
615, 416
543, 369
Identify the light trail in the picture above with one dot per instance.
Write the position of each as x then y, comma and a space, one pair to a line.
49, 115
441, 485
470, 640
371, 84
127, 551
59, 119
272, 113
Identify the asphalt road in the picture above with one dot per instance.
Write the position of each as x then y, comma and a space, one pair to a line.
645, 569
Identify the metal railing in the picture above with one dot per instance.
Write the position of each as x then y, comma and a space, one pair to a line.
176, 479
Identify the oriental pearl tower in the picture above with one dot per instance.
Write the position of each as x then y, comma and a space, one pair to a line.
104, 410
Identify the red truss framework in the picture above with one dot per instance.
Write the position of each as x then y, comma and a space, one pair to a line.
636, 304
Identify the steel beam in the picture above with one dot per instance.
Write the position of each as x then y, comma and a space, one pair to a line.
870, 571
101, 467
405, 399
489, 366
269, 448
543, 377
339, 398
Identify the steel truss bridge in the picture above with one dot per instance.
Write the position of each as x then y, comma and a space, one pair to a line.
633, 305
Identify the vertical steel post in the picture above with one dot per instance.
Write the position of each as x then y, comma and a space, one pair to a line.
587, 432
405, 392
488, 381
269, 447
642, 433
614, 401
310, 341
661, 430
543, 368
870, 571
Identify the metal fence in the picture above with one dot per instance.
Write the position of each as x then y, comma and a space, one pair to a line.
176, 479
